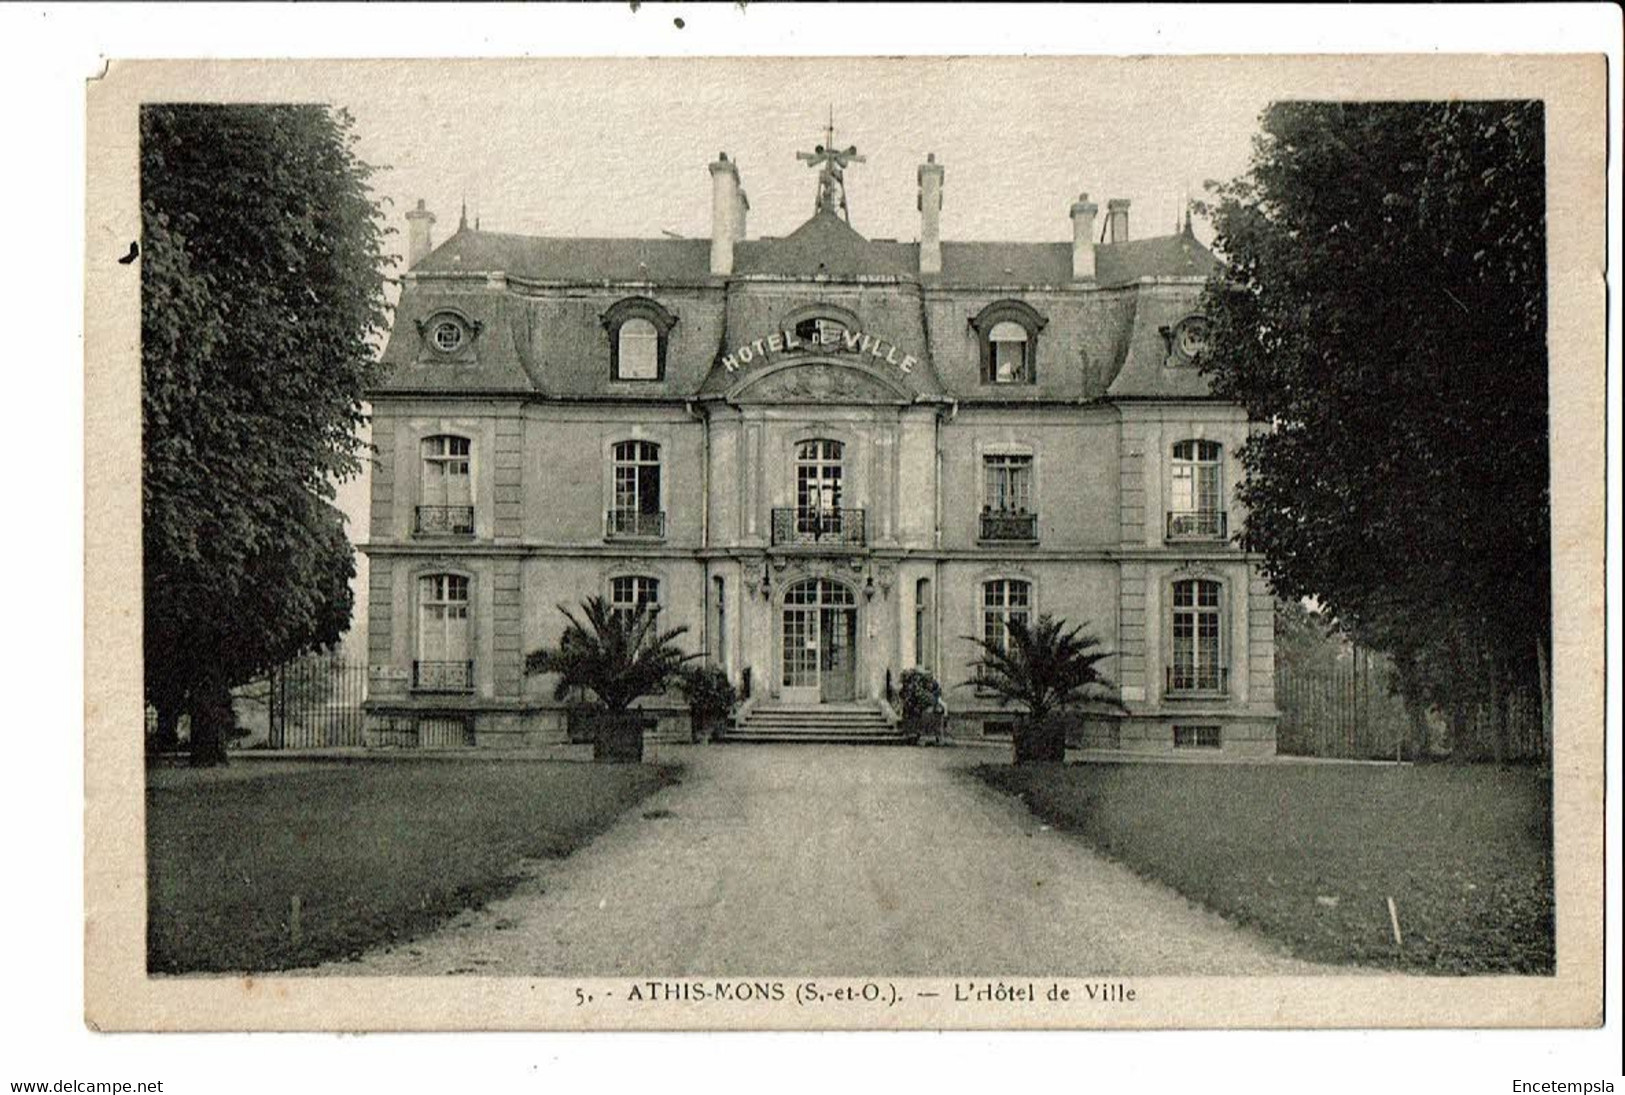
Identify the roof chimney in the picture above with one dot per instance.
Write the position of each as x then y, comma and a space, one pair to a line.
1083, 238
741, 214
419, 241
1117, 220
930, 202
725, 218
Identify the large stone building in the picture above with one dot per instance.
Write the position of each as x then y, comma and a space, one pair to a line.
831, 457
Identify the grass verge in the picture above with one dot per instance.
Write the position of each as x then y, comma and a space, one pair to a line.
1310, 854
377, 851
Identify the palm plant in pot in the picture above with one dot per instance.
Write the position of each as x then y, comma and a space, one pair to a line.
1044, 669
618, 655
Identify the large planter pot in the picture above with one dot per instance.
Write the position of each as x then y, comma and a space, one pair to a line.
581, 723
618, 739
1042, 742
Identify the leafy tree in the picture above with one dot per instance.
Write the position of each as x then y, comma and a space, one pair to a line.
618, 654
1382, 307
261, 294
1045, 669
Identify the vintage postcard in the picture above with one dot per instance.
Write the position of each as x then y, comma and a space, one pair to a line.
845, 543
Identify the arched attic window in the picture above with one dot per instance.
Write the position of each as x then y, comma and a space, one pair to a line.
1007, 331
639, 329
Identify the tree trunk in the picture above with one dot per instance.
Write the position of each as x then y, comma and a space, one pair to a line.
213, 722
1417, 712
1498, 722
1544, 671
167, 737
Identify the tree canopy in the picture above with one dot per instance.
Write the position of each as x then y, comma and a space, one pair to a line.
261, 295
1381, 312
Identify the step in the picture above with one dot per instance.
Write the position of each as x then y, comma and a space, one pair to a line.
752, 737
798, 718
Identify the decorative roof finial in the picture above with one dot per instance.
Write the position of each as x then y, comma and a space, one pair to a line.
832, 163
462, 220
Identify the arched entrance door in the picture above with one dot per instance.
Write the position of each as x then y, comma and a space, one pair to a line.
820, 642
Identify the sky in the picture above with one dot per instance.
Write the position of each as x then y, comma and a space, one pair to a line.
621, 148
616, 147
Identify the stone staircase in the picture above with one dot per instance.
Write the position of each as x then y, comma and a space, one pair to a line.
835, 723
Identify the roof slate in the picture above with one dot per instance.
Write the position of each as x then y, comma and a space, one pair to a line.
825, 246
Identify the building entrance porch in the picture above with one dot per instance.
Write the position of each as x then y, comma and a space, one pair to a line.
819, 634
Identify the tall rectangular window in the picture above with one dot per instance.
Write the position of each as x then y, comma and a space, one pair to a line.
1198, 646
1198, 485
1007, 483
444, 660
636, 508
1004, 600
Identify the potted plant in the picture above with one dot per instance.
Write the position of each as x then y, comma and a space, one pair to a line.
711, 698
617, 655
920, 699
1044, 669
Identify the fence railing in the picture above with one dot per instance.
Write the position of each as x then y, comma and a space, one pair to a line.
314, 703
445, 520
1347, 709
1008, 526
1197, 680
443, 676
798, 525
632, 524
1198, 524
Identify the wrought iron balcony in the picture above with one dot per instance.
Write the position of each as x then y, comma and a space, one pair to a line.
445, 521
630, 524
795, 525
1009, 525
1198, 680
443, 676
1197, 524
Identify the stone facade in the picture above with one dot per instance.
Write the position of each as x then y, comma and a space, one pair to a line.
826, 456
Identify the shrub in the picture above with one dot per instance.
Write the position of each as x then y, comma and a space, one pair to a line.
711, 697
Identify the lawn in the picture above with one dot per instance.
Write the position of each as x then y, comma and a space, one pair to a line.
1310, 854
377, 851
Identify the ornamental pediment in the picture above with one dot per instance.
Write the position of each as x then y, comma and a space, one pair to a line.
819, 382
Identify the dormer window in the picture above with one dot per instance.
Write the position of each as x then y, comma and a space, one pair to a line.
1008, 346
448, 332
1008, 332
1187, 340
639, 351
448, 336
639, 329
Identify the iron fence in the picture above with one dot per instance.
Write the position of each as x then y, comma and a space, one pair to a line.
1008, 526
634, 524
1197, 525
803, 525
315, 703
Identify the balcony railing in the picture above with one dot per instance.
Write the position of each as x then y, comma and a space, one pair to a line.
1009, 526
818, 526
1198, 680
443, 676
631, 524
445, 521
1198, 524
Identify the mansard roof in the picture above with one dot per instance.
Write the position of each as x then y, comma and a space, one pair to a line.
824, 246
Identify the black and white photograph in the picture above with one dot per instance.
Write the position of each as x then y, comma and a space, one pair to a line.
845, 543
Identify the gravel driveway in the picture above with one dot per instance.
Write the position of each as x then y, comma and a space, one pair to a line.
833, 860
